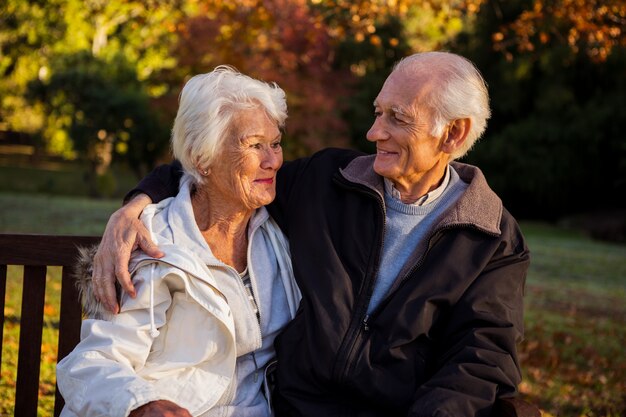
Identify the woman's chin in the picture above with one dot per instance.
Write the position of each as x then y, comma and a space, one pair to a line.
262, 200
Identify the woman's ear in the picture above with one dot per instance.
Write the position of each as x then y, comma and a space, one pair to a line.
456, 134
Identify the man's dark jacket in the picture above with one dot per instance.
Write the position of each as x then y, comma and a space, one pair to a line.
442, 342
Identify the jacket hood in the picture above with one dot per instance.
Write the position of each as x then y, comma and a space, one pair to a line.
174, 256
173, 242
81, 273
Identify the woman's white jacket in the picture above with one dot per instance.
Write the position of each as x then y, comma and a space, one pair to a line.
125, 362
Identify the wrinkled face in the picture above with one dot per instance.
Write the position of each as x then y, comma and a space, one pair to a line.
244, 171
405, 148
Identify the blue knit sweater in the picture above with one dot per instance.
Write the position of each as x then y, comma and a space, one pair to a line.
405, 226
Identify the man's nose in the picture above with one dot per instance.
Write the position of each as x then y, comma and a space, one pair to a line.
377, 131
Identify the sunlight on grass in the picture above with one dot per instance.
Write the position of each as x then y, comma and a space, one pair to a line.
23, 213
573, 359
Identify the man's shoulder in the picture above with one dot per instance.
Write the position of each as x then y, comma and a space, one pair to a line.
321, 165
339, 153
332, 157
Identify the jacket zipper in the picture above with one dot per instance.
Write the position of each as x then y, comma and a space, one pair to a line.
419, 263
359, 323
360, 318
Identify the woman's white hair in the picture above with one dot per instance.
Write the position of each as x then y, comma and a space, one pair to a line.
207, 105
462, 93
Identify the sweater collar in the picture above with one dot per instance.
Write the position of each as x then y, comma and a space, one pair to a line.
479, 206
427, 198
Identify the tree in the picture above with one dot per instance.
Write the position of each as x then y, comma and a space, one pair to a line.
591, 27
101, 107
557, 102
282, 41
45, 44
370, 36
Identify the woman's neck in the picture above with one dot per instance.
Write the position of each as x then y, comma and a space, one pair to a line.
224, 225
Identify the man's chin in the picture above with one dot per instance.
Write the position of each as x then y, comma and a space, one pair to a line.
382, 169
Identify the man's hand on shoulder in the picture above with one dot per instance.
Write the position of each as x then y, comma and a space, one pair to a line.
123, 234
160, 408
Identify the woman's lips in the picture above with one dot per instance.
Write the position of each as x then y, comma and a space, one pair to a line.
265, 180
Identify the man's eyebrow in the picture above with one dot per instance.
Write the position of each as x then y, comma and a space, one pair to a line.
404, 111
398, 109
395, 107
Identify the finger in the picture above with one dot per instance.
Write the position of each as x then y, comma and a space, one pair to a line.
147, 245
108, 289
122, 274
99, 291
95, 274
104, 281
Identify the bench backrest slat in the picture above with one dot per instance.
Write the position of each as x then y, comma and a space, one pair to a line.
3, 287
31, 325
35, 253
69, 333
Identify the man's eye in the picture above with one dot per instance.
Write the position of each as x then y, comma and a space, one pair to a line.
378, 113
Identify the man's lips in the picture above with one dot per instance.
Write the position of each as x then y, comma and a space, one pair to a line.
384, 152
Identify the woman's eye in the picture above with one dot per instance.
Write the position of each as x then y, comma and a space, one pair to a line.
378, 113
256, 146
276, 145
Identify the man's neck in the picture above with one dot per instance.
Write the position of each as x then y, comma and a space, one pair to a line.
427, 198
429, 182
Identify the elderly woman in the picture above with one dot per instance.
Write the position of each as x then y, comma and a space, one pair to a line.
199, 334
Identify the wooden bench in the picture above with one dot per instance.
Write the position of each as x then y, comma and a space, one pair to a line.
37, 252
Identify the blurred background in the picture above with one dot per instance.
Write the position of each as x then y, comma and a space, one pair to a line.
89, 89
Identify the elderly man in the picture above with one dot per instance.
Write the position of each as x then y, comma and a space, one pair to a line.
411, 270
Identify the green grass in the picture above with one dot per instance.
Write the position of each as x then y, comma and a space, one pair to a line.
35, 213
25, 174
573, 360
573, 357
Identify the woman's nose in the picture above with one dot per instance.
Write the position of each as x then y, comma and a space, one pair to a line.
272, 159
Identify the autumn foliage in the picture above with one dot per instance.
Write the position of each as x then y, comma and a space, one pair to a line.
98, 81
555, 70
590, 27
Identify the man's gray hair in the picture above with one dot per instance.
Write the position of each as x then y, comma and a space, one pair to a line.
207, 105
462, 93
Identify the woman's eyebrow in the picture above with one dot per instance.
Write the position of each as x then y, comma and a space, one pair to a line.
258, 135
251, 135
